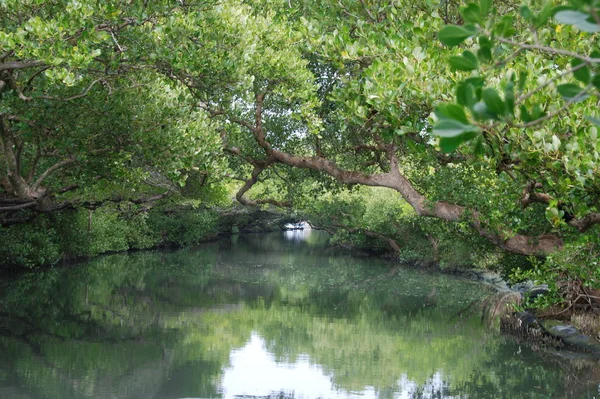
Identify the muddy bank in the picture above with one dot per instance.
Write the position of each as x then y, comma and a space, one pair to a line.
574, 331
550, 332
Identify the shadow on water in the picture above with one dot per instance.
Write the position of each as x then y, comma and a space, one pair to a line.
262, 316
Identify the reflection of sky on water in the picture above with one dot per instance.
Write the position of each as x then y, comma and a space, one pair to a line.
254, 373
298, 235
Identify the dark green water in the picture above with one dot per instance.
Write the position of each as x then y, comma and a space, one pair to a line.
263, 316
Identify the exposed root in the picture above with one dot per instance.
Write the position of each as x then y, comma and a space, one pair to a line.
499, 305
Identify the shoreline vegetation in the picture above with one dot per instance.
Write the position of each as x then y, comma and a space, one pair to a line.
460, 136
506, 309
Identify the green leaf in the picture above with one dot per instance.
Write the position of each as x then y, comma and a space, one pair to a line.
451, 111
478, 147
466, 62
493, 102
596, 81
525, 116
449, 144
594, 120
522, 80
484, 53
486, 5
505, 27
582, 74
577, 18
453, 35
570, 90
537, 113
477, 83
465, 95
509, 97
526, 13
452, 133
452, 128
471, 13
481, 112
543, 15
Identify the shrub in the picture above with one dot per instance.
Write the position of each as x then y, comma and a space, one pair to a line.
572, 275
183, 227
29, 245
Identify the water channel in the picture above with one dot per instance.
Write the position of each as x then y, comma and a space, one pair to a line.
276, 315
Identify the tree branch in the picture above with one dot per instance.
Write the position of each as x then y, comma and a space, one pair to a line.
549, 82
551, 115
585, 223
17, 207
49, 171
516, 243
74, 97
96, 204
548, 49
370, 233
11, 65
154, 198
18, 184
249, 183
582, 223
34, 163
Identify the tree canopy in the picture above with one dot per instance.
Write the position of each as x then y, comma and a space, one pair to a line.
480, 114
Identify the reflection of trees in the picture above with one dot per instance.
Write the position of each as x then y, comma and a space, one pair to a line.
164, 324
544, 375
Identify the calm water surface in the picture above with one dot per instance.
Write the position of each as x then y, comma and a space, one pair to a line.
263, 316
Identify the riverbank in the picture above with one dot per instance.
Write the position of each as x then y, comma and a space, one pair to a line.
73, 235
183, 323
552, 327
80, 236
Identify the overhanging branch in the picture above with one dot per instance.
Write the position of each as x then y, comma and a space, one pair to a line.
394, 179
11, 65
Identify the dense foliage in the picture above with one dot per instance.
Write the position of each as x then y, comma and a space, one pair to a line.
86, 233
480, 116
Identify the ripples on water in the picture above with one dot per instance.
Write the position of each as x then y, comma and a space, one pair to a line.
263, 316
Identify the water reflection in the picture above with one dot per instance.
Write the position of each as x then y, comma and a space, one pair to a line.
254, 372
297, 235
261, 317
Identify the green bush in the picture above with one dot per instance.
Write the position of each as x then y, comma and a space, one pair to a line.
183, 227
572, 274
83, 233
364, 217
139, 235
29, 245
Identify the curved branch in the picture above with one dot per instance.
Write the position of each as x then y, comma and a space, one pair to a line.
370, 233
151, 199
392, 243
550, 50
516, 243
507, 240
5, 66
239, 196
582, 224
96, 204
35, 186
74, 97
585, 223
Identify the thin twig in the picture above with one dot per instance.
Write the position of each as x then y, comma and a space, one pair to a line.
551, 115
547, 83
548, 49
